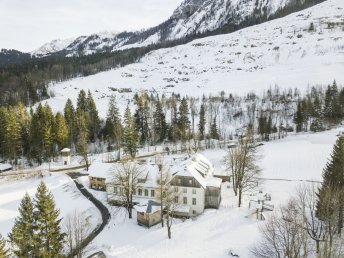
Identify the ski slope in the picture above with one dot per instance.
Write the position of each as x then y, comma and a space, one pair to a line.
280, 52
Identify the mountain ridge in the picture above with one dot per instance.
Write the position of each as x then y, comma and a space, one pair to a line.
190, 19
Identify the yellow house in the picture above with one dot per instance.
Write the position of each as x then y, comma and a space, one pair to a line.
98, 174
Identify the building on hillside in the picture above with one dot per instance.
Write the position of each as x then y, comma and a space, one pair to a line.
148, 214
99, 173
198, 187
65, 154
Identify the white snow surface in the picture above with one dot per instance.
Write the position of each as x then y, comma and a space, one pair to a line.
280, 52
67, 198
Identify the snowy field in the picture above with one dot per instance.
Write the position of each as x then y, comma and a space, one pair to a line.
287, 164
66, 195
281, 52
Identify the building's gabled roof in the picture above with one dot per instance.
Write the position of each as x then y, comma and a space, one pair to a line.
148, 207
200, 168
101, 170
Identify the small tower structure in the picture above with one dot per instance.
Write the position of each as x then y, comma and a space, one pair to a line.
65, 154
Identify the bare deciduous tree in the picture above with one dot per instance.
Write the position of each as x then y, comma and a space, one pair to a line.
168, 198
297, 231
282, 237
241, 162
127, 177
77, 228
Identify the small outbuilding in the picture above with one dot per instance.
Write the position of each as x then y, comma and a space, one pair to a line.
65, 154
148, 214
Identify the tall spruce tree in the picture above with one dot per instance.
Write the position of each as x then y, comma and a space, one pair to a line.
214, 133
48, 238
141, 116
333, 179
131, 135
173, 130
159, 122
183, 119
82, 140
60, 131
4, 252
22, 234
12, 135
113, 126
81, 104
69, 115
93, 118
202, 121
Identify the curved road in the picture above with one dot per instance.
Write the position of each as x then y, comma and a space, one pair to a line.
101, 207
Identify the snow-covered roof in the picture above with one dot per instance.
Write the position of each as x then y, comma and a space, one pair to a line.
151, 173
102, 170
148, 207
65, 150
213, 181
5, 166
200, 168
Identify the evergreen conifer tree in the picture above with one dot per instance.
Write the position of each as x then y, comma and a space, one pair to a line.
214, 134
12, 135
159, 122
48, 237
183, 119
113, 125
22, 234
60, 131
141, 118
174, 130
333, 179
201, 124
299, 118
131, 135
81, 105
4, 253
3, 130
93, 122
69, 115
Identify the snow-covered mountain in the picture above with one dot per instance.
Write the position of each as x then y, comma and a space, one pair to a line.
300, 50
192, 18
52, 47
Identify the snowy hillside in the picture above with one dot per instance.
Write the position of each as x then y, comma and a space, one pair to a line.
191, 18
285, 52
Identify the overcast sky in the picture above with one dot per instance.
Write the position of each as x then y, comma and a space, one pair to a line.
27, 24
